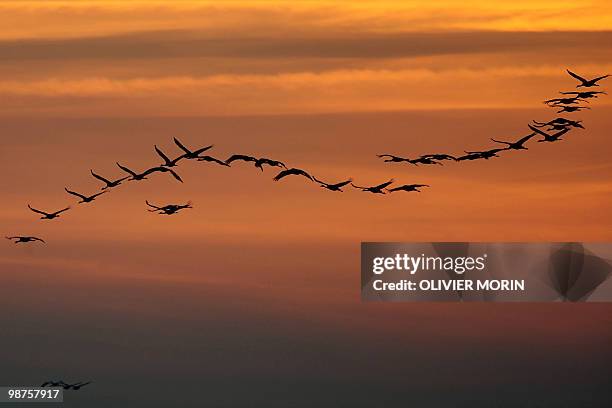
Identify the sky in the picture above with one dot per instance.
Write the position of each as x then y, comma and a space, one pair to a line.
252, 298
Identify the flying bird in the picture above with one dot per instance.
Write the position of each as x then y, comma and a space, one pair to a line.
213, 160
560, 122
189, 154
486, 154
333, 187
292, 172
379, 189
22, 239
564, 101
408, 187
389, 158
518, 145
46, 215
143, 176
169, 209
259, 163
549, 137
133, 174
470, 156
84, 198
587, 83
164, 170
241, 157
167, 161
75, 386
585, 94
570, 108
109, 183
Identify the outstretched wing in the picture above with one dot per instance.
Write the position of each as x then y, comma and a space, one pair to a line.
162, 155
181, 146
240, 157
126, 170
599, 78
322, 182
175, 175
383, 185
359, 187
300, 172
342, 184
578, 77
99, 177
99, 194
213, 160
153, 206
61, 211
526, 138
74, 193
561, 133
202, 150
37, 211
38, 239
282, 174
295, 172
536, 130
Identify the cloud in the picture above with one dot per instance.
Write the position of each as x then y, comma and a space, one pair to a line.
189, 44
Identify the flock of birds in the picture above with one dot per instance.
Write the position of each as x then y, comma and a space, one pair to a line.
569, 102
560, 126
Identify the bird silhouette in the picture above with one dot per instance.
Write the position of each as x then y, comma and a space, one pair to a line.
167, 162
587, 83
389, 158
565, 101
109, 183
241, 157
84, 198
143, 176
169, 209
133, 174
292, 172
164, 170
259, 163
211, 159
333, 187
470, 156
518, 145
570, 108
189, 154
549, 137
24, 239
75, 386
486, 154
379, 189
408, 187
46, 215
559, 121
585, 94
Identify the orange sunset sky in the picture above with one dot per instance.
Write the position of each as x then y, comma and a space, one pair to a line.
259, 283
